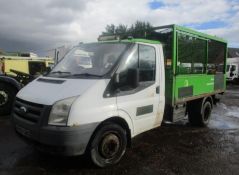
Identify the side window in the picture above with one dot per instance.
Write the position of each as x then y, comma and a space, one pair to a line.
36, 68
165, 35
191, 54
216, 55
137, 69
147, 63
130, 63
233, 68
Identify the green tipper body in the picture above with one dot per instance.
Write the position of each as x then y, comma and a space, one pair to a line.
182, 87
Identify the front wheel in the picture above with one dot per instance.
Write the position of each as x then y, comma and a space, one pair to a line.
7, 95
108, 145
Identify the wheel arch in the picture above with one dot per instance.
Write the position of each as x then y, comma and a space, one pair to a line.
10, 81
117, 120
200, 102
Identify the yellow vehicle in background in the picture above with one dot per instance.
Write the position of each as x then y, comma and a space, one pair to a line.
16, 72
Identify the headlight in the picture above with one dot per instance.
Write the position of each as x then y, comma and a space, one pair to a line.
60, 111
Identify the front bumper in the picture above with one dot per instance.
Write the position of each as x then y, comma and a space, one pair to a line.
67, 141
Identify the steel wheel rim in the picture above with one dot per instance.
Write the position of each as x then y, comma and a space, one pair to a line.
109, 146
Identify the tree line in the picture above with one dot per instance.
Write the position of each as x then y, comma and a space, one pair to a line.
137, 30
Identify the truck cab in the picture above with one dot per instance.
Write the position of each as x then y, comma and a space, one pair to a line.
98, 97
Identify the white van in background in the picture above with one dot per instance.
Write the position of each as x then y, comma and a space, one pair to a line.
232, 71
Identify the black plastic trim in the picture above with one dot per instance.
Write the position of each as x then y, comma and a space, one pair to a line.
54, 81
185, 91
144, 110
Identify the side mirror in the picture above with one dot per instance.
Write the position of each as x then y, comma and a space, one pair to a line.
127, 79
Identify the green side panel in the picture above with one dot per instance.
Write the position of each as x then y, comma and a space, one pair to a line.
198, 84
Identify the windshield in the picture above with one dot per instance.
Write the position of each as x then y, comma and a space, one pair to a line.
94, 59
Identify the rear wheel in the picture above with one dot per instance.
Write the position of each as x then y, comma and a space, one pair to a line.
108, 145
7, 95
199, 113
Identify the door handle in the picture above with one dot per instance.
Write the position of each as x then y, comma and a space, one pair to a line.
157, 90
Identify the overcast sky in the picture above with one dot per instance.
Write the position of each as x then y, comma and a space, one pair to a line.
40, 25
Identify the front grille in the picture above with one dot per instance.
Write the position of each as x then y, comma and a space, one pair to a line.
28, 111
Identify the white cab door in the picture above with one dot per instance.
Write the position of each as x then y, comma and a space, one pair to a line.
144, 103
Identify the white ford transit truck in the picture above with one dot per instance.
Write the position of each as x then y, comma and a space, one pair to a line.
100, 95
232, 69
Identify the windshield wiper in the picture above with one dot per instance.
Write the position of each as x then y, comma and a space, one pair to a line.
87, 74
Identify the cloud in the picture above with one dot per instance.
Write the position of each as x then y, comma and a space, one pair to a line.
71, 5
228, 32
40, 25
33, 25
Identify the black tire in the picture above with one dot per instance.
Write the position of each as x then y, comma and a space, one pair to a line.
199, 113
108, 145
7, 96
